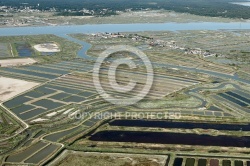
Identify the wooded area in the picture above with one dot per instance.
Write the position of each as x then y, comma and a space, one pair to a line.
213, 8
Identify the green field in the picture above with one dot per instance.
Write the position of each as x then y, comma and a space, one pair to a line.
68, 49
5, 50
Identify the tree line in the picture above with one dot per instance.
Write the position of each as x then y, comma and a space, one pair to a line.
212, 8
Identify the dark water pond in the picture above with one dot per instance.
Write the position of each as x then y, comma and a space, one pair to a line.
23, 49
238, 97
171, 138
238, 102
178, 162
183, 125
202, 162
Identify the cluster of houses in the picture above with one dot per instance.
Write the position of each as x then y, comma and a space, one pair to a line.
107, 35
9, 9
155, 42
8, 19
22, 21
198, 51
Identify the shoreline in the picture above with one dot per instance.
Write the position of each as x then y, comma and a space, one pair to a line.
113, 28
134, 17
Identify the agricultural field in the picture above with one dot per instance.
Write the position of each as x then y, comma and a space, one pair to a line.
225, 51
196, 105
65, 89
163, 46
98, 159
